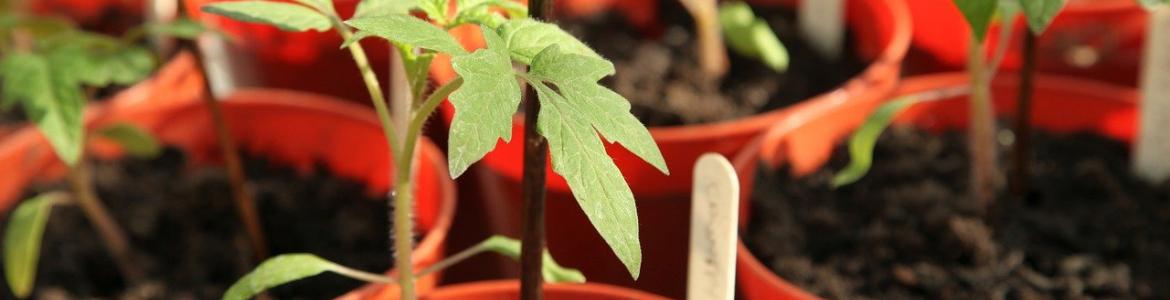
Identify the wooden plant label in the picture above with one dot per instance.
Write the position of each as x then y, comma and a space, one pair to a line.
822, 24
1153, 144
714, 216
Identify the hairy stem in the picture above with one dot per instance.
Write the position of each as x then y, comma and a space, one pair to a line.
111, 234
237, 179
401, 102
402, 231
712, 53
981, 134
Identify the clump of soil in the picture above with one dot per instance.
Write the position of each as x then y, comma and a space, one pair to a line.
184, 226
659, 74
1088, 229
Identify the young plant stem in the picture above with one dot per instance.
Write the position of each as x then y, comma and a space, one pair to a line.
1023, 129
112, 235
532, 240
401, 202
237, 179
402, 234
709, 37
981, 135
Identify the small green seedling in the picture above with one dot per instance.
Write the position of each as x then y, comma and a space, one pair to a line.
50, 68
733, 22
575, 109
979, 14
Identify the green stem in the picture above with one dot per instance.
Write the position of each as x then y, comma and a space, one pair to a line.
402, 202
981, 134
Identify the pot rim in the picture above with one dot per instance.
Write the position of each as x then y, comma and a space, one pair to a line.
766, 149
501, 285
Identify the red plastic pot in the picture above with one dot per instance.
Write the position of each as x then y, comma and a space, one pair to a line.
882, 31
1115, 28
110, 16
510, 289
1061, 104
305, 61
296, 129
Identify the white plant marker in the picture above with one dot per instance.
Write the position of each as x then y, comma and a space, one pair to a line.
714, 216
822, 24
1152, 149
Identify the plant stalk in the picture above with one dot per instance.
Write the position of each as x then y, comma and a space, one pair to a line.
401, 202
709, 37
237, 178
981, 135
1023, 144
112, 235
533, 184
402, 234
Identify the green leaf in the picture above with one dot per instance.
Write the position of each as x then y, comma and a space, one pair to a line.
1151, 4
406, 29
570, 118
417, 70
751, 36
484, 104
22, 242
576, 78
480, 12
52, 101
379, 8
863, 140
102, 66
550, 269
526, 38
183, 28
978, 14
133, 139
287, 268
1040, 13
323, 6
436, 10
286, 16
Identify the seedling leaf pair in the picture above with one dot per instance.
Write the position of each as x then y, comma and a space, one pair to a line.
52, 101
979, 13
751, 36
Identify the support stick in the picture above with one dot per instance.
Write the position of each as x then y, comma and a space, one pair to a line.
533, 184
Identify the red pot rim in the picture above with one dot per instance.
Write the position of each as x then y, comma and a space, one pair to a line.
767, 149
28, 147
500, 288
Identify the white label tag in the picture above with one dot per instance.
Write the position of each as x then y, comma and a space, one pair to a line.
1153, 142
714, 216
822, 23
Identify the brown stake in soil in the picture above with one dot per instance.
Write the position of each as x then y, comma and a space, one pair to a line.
534, 185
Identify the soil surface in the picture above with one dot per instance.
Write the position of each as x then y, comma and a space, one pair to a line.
183, 223
909, 230
658, 71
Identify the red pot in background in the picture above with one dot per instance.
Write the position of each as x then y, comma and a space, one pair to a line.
882, 31
110, 16
304, 61
1061, 104
510, 289
297, 129
1100, 39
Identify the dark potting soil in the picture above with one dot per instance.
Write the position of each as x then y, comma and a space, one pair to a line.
183, 224
659, 74
1088, 229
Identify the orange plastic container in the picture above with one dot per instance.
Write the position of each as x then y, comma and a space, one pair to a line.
304, 61
1114, 28
882, 32
1061, 104
510, 289
298, 129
